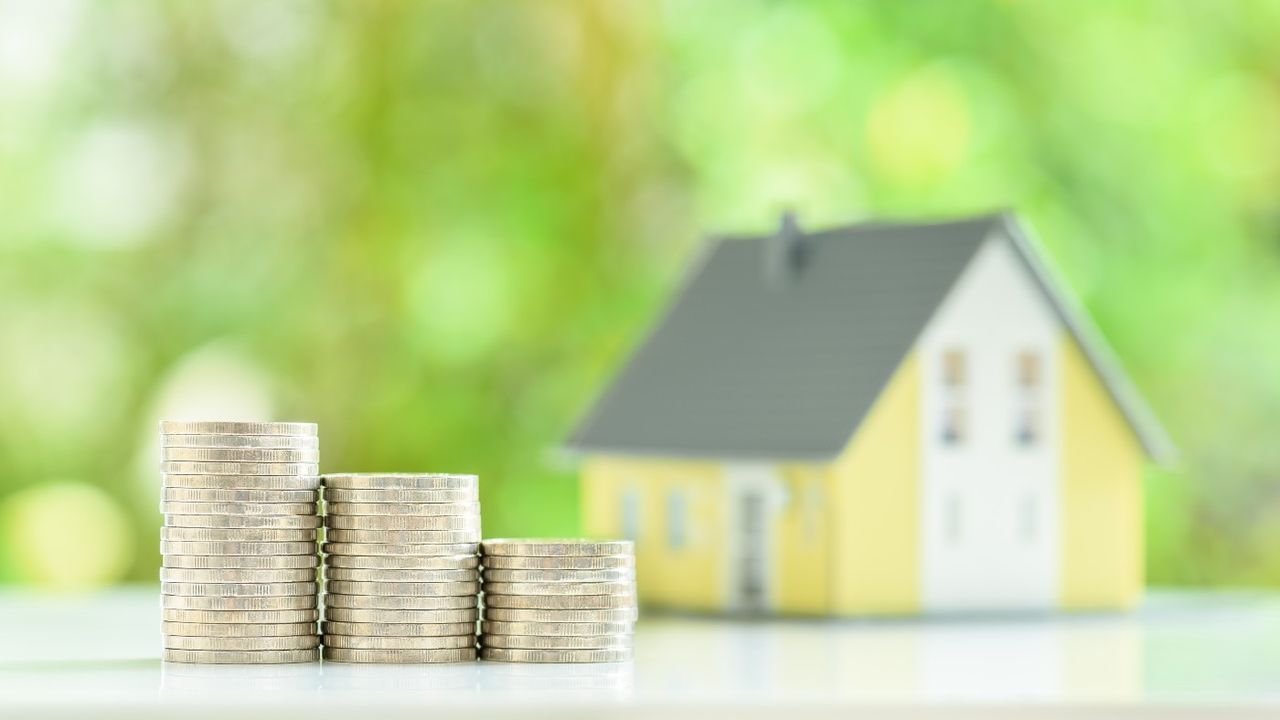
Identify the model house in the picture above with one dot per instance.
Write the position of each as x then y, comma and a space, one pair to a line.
886, 418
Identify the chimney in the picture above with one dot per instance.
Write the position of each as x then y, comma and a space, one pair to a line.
784, 252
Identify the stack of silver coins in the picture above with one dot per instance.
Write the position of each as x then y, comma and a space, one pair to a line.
238, 580
558, 601
401, 568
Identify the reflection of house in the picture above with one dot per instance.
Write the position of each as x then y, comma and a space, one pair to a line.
884, 418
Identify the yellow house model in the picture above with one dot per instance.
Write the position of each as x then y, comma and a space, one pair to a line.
879, 419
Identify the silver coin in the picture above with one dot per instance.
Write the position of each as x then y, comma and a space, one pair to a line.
179, 547
236, 575
249, 455
260, 483
236, 427
277, 602
403, 537
409, 576
402, 589
346, 655
272, 535
538, 642
386, 602
195, 629
248, 498
443, 642
238, 510
234, 590
237, 618
241, 441
243, 562
400, 481
238, 468
356, 509
412, 497
403, 562
539, 615
331, 627
242, 522
555, 629
601, 562
401, 617
624, 589
554, 656
286, 642
627, 575
470, 523
420, 549
559, 602
558, 547
237, 657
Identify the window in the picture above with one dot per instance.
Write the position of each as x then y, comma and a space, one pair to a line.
677, 519
955, 373
631, 515
1027, 411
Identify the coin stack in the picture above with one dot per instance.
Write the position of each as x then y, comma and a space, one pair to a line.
558, 601
401, 568
238, 580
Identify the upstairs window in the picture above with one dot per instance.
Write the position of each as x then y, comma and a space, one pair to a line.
1029, 379
955, 379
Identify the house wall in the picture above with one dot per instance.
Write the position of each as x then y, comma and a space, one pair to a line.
1101, 491
873, 513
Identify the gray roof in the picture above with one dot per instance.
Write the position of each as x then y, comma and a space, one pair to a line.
778, 350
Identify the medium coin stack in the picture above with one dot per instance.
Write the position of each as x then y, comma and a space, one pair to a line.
558, 601
401, 568
238, 582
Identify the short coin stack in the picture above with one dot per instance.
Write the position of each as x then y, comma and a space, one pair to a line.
558, 601
401, 570
238, 580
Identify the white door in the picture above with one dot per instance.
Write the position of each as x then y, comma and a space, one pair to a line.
989, 500
755, 495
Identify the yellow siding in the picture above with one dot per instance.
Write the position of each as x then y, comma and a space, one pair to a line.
689, 577
1101, 492
800, 580
874, 510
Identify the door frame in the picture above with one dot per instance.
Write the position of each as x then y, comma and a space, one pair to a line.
744, 481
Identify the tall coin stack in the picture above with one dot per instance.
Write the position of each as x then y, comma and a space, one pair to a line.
238, 580
401, 568
558, 601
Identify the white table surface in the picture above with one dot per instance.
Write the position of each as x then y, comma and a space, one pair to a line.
1182, 655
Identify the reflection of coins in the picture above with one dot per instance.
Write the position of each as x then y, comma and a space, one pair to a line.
238, 590
221, 481
554, 656
239, 657
363, 642
240, 441
496, 627
245, 562
600, 562
227, 427
577, 589
559, 602
238, 510
252, 455
340, 495
178, 547
266, 499
402, 522
616, 575
400, 481
237, 575
359, 509
374, 602
277, 522
401, 576
555, 548
423, 617
333, 654
270, 535
402, 589
237, 629
403, 537
238, 468
560, 642
285, 642
420, 549
403, 562
276, 602
333, 627
239, 617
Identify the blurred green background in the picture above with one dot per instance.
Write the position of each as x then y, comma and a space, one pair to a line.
436, 227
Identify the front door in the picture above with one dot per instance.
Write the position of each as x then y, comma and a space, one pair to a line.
754, 491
